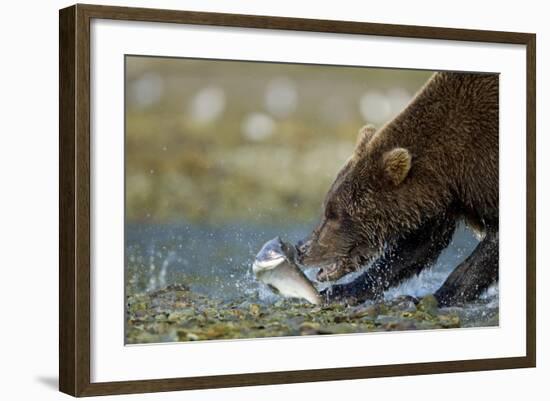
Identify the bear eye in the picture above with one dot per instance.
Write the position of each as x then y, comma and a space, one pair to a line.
330, 211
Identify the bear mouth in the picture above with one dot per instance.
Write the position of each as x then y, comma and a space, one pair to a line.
336, 265
336, 270
344, 265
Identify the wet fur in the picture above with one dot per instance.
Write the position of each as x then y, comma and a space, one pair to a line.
399, 196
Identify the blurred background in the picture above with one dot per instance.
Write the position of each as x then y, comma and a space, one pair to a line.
221, 156
228, 140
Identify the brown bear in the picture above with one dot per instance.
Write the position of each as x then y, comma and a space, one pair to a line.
397, 200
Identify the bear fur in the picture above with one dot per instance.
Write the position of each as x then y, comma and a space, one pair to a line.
397, 200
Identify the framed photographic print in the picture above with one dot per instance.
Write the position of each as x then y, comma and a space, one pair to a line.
250, 200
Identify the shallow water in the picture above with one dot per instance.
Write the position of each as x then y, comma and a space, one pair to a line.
216, 260
188, 282
211, 260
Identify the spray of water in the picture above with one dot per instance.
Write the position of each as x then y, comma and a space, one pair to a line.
216, 261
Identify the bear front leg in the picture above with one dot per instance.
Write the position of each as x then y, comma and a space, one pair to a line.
409, 255
473, 276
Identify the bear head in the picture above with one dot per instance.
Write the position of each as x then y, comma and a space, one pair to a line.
368, 205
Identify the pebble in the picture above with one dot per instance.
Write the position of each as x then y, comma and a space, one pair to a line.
428, 304
181, 315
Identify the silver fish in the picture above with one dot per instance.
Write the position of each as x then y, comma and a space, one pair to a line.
275, 266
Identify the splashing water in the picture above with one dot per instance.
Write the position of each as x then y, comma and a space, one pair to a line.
212, 260
429, 280
216, 261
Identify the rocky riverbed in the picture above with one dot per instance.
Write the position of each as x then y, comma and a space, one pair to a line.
175, 313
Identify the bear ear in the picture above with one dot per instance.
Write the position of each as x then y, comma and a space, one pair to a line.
363, 138
397, 163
